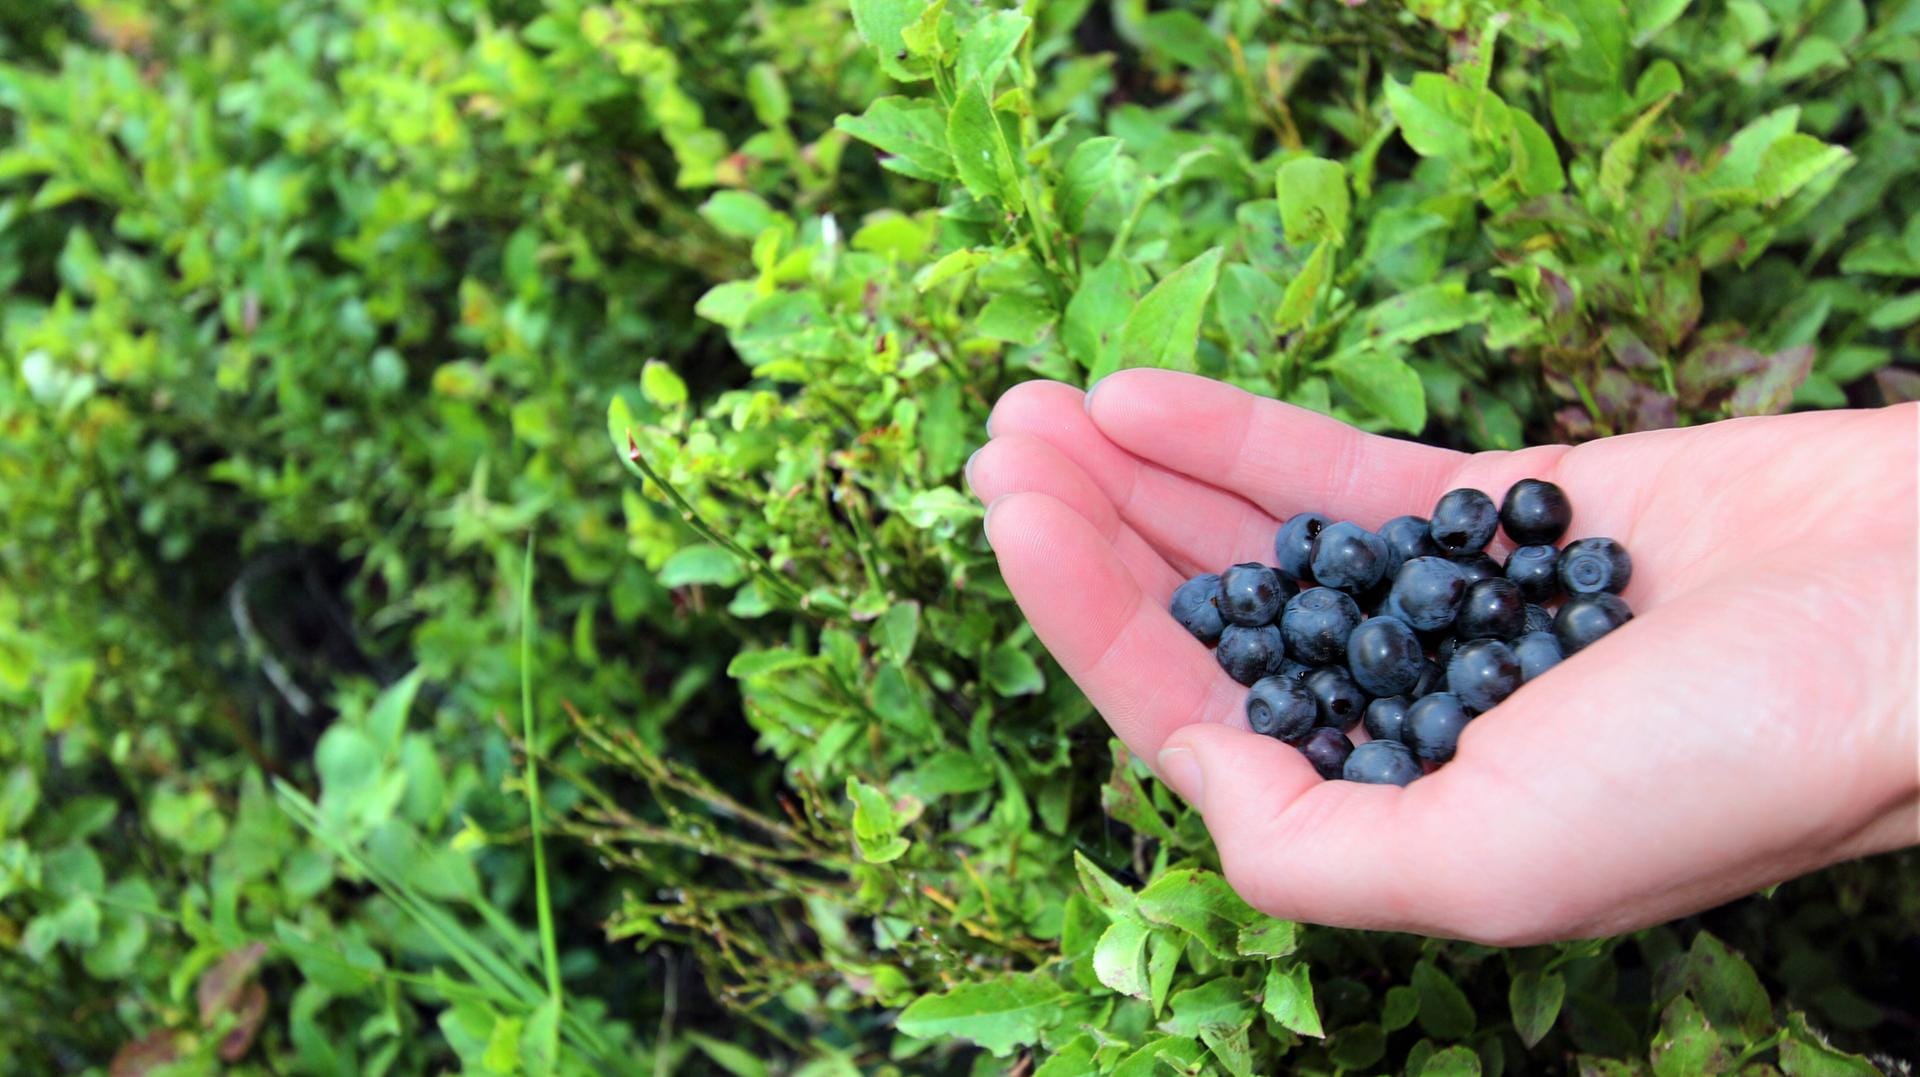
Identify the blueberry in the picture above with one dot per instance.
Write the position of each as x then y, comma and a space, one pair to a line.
1407, 538
1196, 605
1340, 701
1381, 762
1281, 707
1387, 718
1295, 670
1248, 654
1478, 566
1534, 512
1493, 609
1434, 725
1536, 571
1427, 593
1463, 521
1327, 749
1537, 652
1252, 594
1443, 653
1293, 545
1433, 678
1483, 672
1595, 564
1385, 656
1317, 622
1349, 557
1585, 618
1539, 619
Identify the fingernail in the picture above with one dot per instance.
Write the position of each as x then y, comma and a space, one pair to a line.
986, 523
1086, 401
1180, 769
967, 471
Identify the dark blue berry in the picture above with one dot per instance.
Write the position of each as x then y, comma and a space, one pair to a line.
1537, 652
1443, 652
1340, 701
1427, 593
1248, 654
1196, 605
1296, 670
1536, 571
1592, 565
1434, 725
1349, 557
1387, 718
1493, 609
1539, 619
1293, 545
1252, 594
1407, 538
1479, 566
1281, 707
1585, 618
1463, 521
1385, 656
1433, 678
1535, 512
1317, 623
1483, 672
1327, 749
1381, 762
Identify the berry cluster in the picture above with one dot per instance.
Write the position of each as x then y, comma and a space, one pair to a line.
1411, 630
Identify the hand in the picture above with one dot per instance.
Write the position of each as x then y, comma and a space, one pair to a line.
1756, 720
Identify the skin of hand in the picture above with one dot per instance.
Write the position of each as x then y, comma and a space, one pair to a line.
1755, 721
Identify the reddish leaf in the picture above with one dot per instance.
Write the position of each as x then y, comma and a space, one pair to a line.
148, 1053
1898, 385
1711, 368
221, 986
250, 1011
1770, 390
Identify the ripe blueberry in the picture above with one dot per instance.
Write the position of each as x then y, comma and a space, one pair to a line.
1293, 545
1534, 512
1463, 521
1248, 654
1381, 762
1591, 565
1281, 707
1537, 652
1443, 651
1327, 749
1483, 672
1427, 593
1434, 725
1339, 700
1493, 609
1384, 656
1196, 605
1349, 557
1585, 618
1478, 566
1407, 538
1387, 718
1539, 619
1536, 571
1433, 678
1252, 594
1317, 623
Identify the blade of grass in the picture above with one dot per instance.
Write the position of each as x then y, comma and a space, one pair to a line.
549, 949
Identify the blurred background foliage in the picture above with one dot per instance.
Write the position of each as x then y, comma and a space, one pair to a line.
314, 311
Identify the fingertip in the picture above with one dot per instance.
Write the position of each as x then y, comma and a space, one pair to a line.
1028, 400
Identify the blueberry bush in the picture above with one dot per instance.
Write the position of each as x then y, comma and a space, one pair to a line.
489, 588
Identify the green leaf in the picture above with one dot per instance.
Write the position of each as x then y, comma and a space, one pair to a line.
876, 826
704, 563
767, 93
730, 1057
1805, 1053
880, 23
1685, 1045
1288, 999
1109, 896
1304, 289
1218, 1003
998, 1013
1314, 203
979, 148
1013, 672
1357, 1047
1622, 155
1534, 168
1164, 329
387, 718
951, 264
1090, 171
911, 132
1445, 1013
1163, 959
1245, 304
1073, 1060
1016, 318
1094, 315
1738, 169
1231, 1047
1160, 1056
897, 630
1452, 1062
1383, 384
987, 47
1725, 986
1535, 999
1441, 307
1269, 937
1795, 161
1896, 313
1199, 903
63, 697
1652, 16
1120, 958
740, 214
1433, 114
1401, 1006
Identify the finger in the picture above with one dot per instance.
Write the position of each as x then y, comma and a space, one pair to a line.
1197, 527
1144, 673
1016, 463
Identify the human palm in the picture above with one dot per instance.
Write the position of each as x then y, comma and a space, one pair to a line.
1755, 720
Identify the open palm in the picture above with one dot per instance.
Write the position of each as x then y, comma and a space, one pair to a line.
1755, 721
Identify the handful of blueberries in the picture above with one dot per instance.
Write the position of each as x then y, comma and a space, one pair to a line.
1412, 629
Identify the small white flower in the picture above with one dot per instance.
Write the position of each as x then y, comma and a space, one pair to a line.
829, 232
